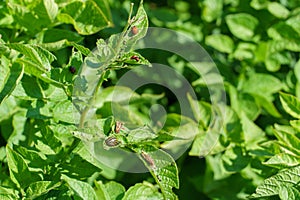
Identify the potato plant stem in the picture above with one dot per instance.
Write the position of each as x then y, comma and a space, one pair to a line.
101, 79
91, 101
102, 76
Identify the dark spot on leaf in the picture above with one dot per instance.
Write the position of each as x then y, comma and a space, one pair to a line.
72, 69
149, 160
158, 178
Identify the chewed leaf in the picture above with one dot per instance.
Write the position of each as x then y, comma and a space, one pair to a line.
133, 58
85, 51
140, 135
107, 56
86, 136
96, 130
164, 170
138, 28
123, 43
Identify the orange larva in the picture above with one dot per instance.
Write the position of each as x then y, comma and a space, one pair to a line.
134, 30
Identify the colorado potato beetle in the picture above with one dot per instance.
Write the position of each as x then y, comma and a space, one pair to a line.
111, 141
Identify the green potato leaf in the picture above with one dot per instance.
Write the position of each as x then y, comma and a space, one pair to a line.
273, 185
10, 77
19, 171
222, 43
291, 104
242, 25
142, 191
87, 17
80, 188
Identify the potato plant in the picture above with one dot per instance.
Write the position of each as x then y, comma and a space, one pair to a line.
72, 127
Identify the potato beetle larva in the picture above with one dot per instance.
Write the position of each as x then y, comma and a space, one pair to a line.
134, 57
134, 30
118, 126
149, 160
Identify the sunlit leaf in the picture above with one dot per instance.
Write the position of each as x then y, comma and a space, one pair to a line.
142, 191
288, 140
19, 171
66, 112
82, 189
39, 188
291, 104
283, 160
289, 193
109, 191
242, 25
9, 79
212, 9
42, 12
88, 17
278, 10
273, 185
222, 43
